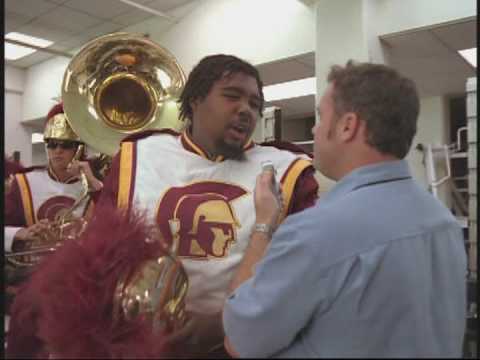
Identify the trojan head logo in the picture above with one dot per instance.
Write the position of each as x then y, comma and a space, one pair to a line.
54, 207
199, 218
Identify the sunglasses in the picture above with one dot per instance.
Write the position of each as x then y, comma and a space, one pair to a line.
66, 145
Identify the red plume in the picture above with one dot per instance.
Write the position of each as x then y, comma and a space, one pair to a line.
11, 167
66, 306
56, 109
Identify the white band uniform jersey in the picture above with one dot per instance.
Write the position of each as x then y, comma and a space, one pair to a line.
206, 205
36, 195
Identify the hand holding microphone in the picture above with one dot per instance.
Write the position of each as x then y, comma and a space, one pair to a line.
268, 199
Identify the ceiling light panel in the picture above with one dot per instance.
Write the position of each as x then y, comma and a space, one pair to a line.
28, 39
470, 55
290, 89
14, 51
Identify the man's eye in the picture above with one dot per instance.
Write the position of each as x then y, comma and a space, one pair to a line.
232, 96
254, 105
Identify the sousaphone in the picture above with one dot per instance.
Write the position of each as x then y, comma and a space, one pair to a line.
116, 85
120, 84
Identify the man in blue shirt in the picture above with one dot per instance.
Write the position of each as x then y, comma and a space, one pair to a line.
377, 267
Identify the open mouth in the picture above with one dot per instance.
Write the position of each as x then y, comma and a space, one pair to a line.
239, 131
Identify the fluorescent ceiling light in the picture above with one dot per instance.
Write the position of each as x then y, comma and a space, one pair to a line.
290, 89
470, 55
14, 52
37, 138
147, 9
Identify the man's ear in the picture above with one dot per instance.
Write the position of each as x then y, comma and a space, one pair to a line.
193, 103
348, 126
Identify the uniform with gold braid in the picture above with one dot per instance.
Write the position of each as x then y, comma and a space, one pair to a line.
36, 194
43, 196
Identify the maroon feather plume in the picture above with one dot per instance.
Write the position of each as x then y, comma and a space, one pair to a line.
66, 306
11, 167
56, 109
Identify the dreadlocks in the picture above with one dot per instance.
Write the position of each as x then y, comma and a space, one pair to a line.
207, 72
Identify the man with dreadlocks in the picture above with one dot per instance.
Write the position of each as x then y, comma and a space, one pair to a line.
197, 186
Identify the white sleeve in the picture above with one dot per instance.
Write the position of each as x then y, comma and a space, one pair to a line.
10, 232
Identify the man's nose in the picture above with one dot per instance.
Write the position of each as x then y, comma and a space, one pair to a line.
246, 108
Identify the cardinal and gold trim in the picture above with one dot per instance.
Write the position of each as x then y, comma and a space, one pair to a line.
189, 145
288, 183
26, 196
126, 175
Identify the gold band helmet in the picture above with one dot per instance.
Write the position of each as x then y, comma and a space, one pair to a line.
58, 127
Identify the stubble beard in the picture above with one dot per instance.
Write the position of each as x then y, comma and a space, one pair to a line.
229, 151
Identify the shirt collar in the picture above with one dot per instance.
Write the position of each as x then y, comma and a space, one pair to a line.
193, 147
362, 176
53, 176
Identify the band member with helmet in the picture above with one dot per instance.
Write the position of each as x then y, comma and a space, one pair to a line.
198, 185
37, 196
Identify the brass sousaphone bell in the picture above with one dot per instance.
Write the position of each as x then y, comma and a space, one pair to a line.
120, 84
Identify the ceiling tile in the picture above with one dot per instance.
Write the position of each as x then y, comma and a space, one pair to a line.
132, 17
69, 20
32, 59
28, 7
77, 41
13, 21
419, 44
142, 2
44, 31
105, 9
72, 43
166, 5
102, 29
458, 36
295, 107
283, 71
307, 59
436, 76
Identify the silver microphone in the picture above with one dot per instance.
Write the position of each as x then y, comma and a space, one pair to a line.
267, 165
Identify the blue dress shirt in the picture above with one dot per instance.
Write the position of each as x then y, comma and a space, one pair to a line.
375, 269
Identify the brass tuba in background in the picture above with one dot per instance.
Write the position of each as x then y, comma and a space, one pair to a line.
119, 84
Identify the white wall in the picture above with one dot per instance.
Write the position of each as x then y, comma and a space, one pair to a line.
258, 31
42, 83
391, 16
432, 129
18, 136
340, 37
